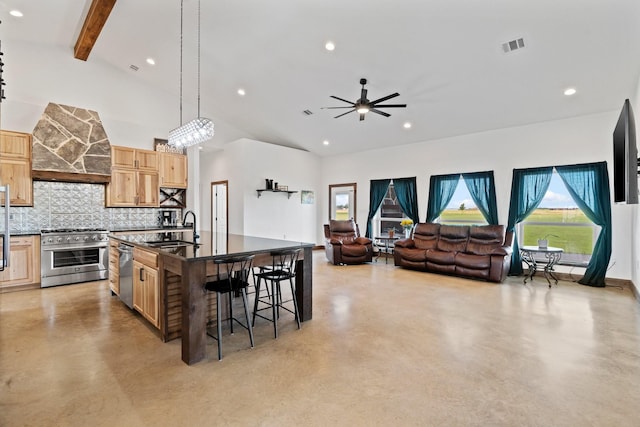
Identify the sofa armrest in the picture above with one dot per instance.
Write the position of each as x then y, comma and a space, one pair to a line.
334, 241
363, 241
405, 243
503, 250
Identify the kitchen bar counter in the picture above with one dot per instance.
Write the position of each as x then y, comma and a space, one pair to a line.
183, 268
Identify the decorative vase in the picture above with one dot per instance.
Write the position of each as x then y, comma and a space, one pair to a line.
391, 232
407, 233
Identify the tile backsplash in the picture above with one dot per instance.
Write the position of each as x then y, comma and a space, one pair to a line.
76, 205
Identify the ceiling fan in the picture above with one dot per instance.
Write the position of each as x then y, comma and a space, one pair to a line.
363, 105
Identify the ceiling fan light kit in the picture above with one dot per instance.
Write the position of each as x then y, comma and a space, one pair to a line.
363, 105
199, 129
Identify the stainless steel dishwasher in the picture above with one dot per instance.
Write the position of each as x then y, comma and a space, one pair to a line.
126, 274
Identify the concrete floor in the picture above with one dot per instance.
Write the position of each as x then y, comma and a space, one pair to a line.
385, 347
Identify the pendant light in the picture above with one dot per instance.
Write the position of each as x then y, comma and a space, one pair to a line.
199, 129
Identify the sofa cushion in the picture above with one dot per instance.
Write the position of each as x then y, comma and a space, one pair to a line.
485, 239
441, 257
353, 250
425, 235
343, 230
477, 262
453, 238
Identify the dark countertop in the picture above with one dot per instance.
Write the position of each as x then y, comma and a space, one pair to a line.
224, 244
24, 233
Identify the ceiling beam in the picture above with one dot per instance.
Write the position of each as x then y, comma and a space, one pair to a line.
93, 23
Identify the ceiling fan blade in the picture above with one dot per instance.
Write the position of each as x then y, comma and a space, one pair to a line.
343, 100
333, 108
391, 106
384, 98
340, 115
362, 116
382, 113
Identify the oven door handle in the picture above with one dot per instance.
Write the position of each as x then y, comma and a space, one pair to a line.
73, 248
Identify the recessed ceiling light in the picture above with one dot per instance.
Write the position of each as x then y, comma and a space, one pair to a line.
241, 92
570, 91
329, 46
200, 147
325, 142
407, 125
16, 13
151, 61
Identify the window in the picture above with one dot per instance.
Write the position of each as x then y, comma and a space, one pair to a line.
390, 213
343, 201
559, 220
461, 210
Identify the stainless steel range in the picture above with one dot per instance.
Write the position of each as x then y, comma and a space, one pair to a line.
73, 255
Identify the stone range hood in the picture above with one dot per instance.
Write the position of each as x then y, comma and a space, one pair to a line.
70, 145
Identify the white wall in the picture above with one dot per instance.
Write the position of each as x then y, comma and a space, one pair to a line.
576, 140
635, 215
245, 164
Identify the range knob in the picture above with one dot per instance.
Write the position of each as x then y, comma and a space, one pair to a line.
94, 237
68, 239
59, 239
50, 240
86, 238
77, 238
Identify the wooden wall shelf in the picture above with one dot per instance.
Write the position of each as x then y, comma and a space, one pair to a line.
287, 192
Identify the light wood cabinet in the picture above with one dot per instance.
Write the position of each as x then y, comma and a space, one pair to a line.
24, 264
133, 158
114, 267
134, 178
146, 293
173, 170
15, 167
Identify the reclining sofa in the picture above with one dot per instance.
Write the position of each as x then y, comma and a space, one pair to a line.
477, 251
344, 245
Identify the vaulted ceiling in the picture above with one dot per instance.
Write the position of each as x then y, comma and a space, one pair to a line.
444, 57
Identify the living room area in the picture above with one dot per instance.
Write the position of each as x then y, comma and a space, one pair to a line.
481, 88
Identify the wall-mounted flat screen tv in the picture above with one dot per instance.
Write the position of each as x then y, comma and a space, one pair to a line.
625, 158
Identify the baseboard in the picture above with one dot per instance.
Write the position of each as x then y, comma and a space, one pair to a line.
610, 281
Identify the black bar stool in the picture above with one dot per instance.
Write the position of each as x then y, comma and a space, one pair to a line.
283, 268
231, 278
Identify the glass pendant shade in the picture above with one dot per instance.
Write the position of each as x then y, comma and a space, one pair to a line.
191, 133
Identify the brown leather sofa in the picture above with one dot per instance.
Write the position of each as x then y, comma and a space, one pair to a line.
344, 245
477, 251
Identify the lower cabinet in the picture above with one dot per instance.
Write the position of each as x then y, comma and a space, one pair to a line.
146, 292
24, 264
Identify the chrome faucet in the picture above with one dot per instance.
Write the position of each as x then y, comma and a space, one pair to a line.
193, 225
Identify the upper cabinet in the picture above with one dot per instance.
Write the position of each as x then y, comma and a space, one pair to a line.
173, 170
134, 178
132, 158
15, 167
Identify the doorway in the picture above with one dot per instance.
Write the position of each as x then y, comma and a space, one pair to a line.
342, 201
219, 216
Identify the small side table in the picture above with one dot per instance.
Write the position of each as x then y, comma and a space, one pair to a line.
551, 254
387, 248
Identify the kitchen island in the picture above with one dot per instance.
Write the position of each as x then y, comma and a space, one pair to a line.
183, 268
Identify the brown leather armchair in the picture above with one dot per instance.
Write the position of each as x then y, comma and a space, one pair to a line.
344, 245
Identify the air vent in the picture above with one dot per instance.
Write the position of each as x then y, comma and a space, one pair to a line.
134, 67
512, 45
307, 112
